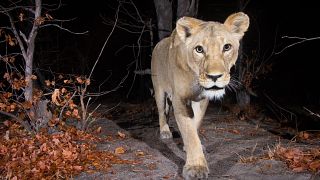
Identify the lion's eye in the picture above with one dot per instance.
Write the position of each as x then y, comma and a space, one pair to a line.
199, 49
227, 47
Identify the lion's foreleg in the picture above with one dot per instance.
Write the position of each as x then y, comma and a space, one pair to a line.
196, 164
199, 110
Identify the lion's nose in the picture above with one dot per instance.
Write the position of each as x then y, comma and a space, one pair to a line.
214, 77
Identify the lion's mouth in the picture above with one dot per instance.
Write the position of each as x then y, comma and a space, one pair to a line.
213, 88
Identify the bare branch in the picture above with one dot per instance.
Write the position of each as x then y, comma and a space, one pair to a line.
312, 113
66, 104
114, 89
58, 26
292, 115
301, 40
104, 45
16, 34
23, 123
143, 72
23, 36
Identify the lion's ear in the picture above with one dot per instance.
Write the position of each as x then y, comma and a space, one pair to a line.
186, 26
237, 23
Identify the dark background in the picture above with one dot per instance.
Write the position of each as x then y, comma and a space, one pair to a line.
293, 79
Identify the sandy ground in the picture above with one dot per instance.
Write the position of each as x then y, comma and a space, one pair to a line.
234, 149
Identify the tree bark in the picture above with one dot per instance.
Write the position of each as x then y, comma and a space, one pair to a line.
187, 8
164, 17
243, 97
30, 52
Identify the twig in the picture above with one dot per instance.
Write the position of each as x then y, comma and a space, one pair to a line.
65, 105
68, 30
312, 113
90, 114
281, 108
17, 119
301, 40
105, 43
143, 72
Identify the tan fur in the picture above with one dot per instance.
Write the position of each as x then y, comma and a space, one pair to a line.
189, 77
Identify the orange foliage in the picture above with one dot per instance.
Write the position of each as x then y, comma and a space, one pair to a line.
51, 156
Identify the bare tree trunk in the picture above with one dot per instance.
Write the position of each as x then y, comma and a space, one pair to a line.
187, 8
164, 16
243, 97
30, 53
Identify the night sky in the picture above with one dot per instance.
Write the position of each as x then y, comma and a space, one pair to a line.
292, 79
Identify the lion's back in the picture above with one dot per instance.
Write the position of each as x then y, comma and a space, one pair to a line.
159, 63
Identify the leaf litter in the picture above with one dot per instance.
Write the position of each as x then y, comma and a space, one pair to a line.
59, 155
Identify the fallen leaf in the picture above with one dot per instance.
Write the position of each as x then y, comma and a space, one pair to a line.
166, 176
139, 153
77, 168
235, 131
152, 166
66, 154
122, 135
298, 169
75, 113
98, 130
56, 141
119, 150
7, 123
315, 165
42, 165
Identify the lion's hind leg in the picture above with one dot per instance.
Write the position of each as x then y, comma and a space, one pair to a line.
163, 110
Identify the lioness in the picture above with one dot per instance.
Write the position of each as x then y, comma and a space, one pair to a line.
188, 69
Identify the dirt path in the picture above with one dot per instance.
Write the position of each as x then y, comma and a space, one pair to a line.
234, 149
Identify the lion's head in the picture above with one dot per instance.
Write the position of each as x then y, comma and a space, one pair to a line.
209, 50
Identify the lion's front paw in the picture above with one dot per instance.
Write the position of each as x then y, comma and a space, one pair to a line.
165, 135
195, 172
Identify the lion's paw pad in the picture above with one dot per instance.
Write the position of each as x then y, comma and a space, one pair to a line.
195, 172
165, 135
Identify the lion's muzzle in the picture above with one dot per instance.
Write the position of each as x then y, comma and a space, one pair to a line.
214, 85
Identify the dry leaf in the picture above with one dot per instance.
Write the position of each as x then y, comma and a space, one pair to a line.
98, 130
315, 165
79, 80
66, 154
68, 113
48, 83
75, 113
56, 141
298, 169
87, 82
122, 135
235, 131
77, 168
42, 165
33, 77
119, 150
139, 153
27, 105
6, 136
63, 90
55, 97
49, 16
7, 123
